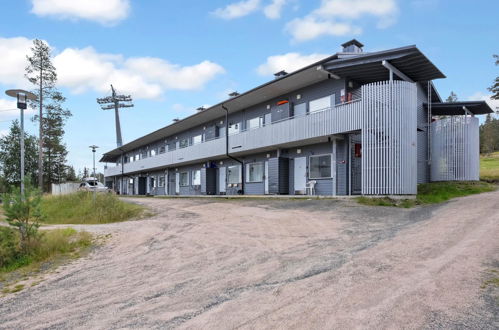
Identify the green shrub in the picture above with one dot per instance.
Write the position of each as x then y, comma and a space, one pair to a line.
22, 211
80, 208
9, 246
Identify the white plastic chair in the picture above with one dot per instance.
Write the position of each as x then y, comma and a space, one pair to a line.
311, 187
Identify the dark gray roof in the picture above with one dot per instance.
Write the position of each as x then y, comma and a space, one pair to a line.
364, 67
456, 108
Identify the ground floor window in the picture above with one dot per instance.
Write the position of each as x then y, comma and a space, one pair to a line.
196, 178
184, 179
161, 181
254, 172
233, 174
320, 167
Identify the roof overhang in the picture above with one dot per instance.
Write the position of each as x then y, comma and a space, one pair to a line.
459, 108
368, 67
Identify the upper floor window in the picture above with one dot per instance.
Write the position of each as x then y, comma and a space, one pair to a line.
152, 152
162, 149
184, 143
320, 167
255, 123
197, 139
196, 178
234, 128
320, 104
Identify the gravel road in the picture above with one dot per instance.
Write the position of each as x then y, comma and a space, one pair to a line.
267, 264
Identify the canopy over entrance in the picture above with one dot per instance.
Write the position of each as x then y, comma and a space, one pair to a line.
459, 108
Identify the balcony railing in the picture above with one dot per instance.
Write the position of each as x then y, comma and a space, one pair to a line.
340, 118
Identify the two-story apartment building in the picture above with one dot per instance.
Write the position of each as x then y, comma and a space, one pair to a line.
352, 123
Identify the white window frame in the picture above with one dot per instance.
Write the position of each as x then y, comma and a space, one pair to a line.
229, 170
196, 177
253, 123
310, 167
197, 139
248, 172
180, 179
161, 181
312, 107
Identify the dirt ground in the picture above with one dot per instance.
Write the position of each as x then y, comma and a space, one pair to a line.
278, 264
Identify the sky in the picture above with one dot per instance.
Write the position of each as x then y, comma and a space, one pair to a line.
175, 56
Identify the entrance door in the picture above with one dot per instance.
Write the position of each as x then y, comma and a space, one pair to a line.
221, 180
266, 180
177, 183
356, 164
300, 175
142, 185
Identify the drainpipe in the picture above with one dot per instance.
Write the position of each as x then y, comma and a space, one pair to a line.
227, 147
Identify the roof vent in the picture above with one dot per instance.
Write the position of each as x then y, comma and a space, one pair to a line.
280, 74
176, 120
233, 94
200, 109
352, 46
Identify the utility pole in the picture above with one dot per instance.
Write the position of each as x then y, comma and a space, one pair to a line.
22, 98
115, 102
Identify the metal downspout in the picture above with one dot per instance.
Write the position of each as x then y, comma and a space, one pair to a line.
227, 147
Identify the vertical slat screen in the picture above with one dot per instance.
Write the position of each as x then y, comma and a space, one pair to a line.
455, 149
389, 140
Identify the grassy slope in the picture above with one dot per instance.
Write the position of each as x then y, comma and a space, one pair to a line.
79, 208
489, 167
432, 193
51, 245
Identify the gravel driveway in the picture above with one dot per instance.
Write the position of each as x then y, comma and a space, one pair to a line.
267, 264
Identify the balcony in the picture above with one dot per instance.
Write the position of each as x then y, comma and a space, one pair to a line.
340, 118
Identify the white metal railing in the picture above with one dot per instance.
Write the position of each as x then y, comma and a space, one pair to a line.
342, 117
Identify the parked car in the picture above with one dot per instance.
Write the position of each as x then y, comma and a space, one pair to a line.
92, 184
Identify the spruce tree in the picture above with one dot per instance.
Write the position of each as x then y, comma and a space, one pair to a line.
495, 87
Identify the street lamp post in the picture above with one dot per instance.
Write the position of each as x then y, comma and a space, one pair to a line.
94, 147
22, 98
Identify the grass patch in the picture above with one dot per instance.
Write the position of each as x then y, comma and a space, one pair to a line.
432, 193
50, 245
489, 167
79, 208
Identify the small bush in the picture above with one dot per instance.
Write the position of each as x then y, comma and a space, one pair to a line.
79, 208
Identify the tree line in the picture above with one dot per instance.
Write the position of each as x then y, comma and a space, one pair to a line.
489, 130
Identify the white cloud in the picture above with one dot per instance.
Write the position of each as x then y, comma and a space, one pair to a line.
13, 61
103, 11
480, 96
273, 10
340, 17
85, 69
238, 9
308, 28
288, 62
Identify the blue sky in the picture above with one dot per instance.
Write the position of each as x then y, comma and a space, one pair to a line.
174, 56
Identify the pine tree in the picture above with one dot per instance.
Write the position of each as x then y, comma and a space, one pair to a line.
495, 87
452, 97
51, 115
10, 149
